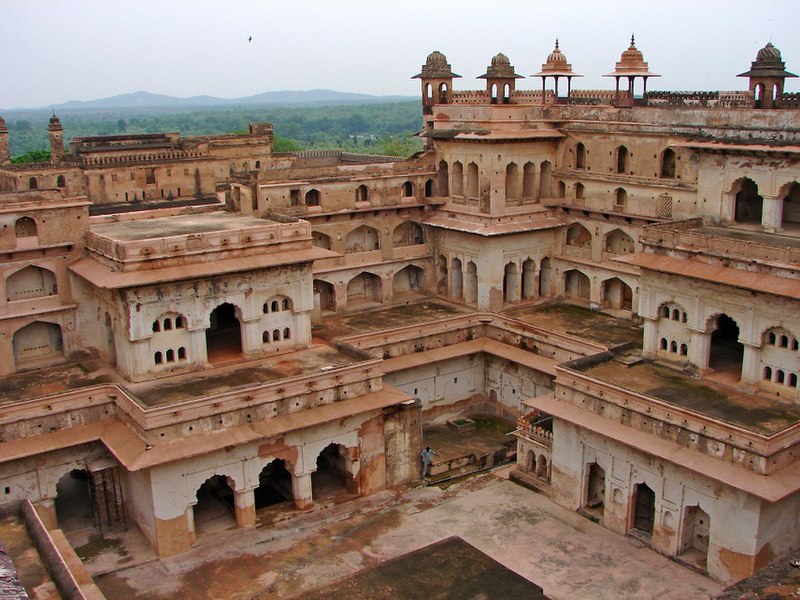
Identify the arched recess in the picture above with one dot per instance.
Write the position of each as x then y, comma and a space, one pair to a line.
511, 283
407, 280
407, 189
274, 485
617, 294
695, 535
513, 190
576, 285
312, 198
668, 164
442, 179
362, 239
748, 203
546, 180
621, 162
429, 189
333, 476
529, 180
726, 351
579, 191
458, 179
362, 193
443, 93
33, 183
562, 189
38, 341
214, 509
61, 181
320, 240
25, 227
528, 279
580, 156
473, 189
327, 296
456, 279
545, 277
471, 283
620, 199
363, 288
577, 236
224, 335
408, 233
595, 488
791, 207
618, 242
30, 282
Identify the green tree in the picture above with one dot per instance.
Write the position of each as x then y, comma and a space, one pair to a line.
282, 144
122, 126
32, 156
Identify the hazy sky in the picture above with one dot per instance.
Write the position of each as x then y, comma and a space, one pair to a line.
57, 50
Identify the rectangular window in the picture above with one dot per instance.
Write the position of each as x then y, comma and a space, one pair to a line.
150, 176
294, 197
169, 172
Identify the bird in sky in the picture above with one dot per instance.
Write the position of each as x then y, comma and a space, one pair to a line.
250, 39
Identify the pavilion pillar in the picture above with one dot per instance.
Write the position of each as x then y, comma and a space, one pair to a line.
699, 349
301, 491
244, 508
750, 363
772, 213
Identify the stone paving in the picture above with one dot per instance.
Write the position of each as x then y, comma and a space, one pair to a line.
567, 555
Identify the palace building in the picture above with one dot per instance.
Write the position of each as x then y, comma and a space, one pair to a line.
189, 319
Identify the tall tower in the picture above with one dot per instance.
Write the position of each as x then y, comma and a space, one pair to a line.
56, 132
500, 79
767, 74
5, 155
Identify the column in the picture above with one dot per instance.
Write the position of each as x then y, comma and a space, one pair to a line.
750, 363
244, 508
699, 349
340, 296
301, 491
772, 213
650, 341
387, 289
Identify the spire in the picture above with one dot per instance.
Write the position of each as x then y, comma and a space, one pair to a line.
556, 43
633, 45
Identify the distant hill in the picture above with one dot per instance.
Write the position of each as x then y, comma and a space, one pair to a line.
143, 99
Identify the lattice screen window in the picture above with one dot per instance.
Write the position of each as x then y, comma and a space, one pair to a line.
664, 206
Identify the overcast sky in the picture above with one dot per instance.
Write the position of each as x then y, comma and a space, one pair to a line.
57, 50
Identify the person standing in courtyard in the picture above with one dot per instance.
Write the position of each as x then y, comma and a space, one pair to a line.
427, 459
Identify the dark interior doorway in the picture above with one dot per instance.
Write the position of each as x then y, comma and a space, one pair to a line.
274, 485
644, 509
224, 335
331, 477
74, 501
726, 351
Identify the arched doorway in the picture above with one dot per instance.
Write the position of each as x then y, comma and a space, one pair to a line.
471, 283
595, 488
545, 277
512, 182
332, 476
456, 279
408, 233
274, 485
224, 335
364, 288
73, 501
726, 352
214, 509
694, 537
30, 282
546, 180
407, 280
528, 279
576, 285
617, 294
749, 203
442, 178
644, 508
511, 283
327, 296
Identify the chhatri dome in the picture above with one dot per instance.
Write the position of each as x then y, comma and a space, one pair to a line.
500, 69
436, 66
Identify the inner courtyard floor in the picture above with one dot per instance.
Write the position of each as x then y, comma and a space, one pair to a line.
567, 555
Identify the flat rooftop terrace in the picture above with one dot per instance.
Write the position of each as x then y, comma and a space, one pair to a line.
759, 413
28, 385
387, 318
228, 378
580, 322
145, 229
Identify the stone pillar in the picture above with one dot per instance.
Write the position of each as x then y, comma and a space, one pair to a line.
650, 341
387, 289
699, 349
497, 189
198, 352
340, 296
301, 491
244, 507
750, 363
772, 213
595, 294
